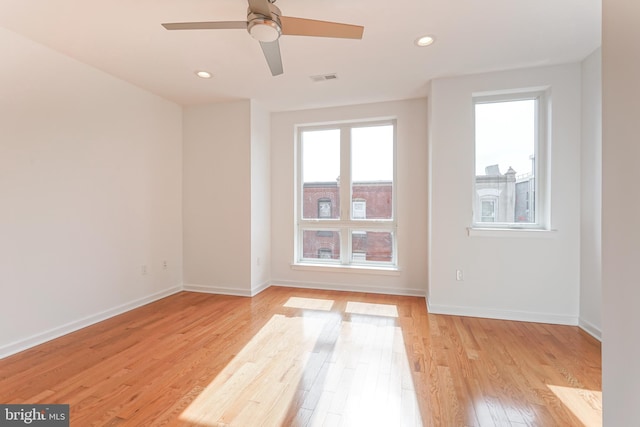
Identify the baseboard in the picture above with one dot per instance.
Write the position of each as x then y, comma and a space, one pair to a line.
32, 341
206, 289
591, 329
492, 313
350, 288
257, 289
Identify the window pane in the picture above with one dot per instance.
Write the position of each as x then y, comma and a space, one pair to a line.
320, 174
371, 246
488, 211
372, 172
505, 162
321, 244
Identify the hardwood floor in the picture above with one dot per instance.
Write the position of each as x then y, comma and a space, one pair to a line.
293, 357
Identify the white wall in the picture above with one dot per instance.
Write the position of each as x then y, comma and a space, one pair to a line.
260, 198
412, 199
217, 198
620, 210
591, 196
524, 278
90, 191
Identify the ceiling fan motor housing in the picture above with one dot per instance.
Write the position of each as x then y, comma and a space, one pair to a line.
265, 28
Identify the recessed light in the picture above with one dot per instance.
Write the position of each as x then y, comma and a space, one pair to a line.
425, 40
203, 74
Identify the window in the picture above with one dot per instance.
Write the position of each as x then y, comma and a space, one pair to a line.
325, 253
359, 256
324, 208
346, 192
488, 211
359, 209
509, 160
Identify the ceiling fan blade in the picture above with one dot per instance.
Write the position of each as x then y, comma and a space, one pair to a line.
219, 25
261, 7
310, 27
272, 53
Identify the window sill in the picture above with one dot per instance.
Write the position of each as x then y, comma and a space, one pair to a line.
354, 269
512, 232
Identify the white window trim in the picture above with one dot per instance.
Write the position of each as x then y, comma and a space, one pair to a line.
512, 232
542, 167
379, 270
344, 224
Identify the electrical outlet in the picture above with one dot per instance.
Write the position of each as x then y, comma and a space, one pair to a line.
459, 276
164, 265
143, 270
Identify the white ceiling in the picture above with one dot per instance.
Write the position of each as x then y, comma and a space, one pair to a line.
124, 38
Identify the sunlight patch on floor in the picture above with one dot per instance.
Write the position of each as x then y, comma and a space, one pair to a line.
367, 381
258, 385
386, 310
310, 303
316, 369
586, 405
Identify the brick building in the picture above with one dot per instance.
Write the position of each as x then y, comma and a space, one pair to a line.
370, 200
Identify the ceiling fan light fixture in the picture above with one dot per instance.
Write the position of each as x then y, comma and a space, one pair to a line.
427, 40
264, 29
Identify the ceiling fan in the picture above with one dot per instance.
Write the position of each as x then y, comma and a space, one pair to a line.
266, 24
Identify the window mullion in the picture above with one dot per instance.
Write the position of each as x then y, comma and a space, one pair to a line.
345, 174
345, 192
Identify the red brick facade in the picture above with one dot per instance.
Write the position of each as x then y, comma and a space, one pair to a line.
322, 200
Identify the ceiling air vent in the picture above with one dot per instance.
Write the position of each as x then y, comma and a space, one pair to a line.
324, 77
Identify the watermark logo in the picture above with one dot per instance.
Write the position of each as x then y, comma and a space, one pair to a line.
34, 415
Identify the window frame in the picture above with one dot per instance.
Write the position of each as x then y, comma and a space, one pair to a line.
541, 167
344, 224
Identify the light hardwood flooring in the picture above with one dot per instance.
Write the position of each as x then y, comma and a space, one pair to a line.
294, 357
